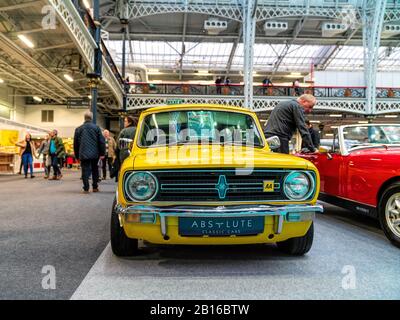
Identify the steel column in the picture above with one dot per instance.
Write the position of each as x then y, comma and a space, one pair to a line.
373, 16
98, 59
249, 31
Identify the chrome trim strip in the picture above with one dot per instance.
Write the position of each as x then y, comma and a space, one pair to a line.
309, 173
163, 224
280, 225
237, 211
221, 211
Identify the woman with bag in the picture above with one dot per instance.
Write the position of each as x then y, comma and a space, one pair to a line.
27, 152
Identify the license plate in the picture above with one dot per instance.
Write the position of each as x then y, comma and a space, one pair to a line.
228, 226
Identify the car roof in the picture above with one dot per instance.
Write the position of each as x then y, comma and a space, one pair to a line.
218, 107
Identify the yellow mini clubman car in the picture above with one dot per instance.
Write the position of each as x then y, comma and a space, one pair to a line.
206, 175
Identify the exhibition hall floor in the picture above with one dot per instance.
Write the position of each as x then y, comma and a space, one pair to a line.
51, 223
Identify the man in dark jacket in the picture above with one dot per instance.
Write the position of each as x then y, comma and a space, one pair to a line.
89, 147
288, 116
315, 137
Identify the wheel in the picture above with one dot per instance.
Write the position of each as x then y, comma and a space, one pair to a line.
121, 245
389, 213
299, 245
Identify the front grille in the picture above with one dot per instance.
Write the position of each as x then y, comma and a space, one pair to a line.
218, 185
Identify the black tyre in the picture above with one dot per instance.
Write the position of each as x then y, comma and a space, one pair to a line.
121, 245
389, 213
298, 246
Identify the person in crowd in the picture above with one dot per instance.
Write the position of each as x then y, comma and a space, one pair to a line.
56, 151
27, 152
20, 167
44, 149
288, 116
314, 133
266, 82
127, 86
111, 146
121, 154
218, 84
227, 81
129, 133
89, 147
296, 87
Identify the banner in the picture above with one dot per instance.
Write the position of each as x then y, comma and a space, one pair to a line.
8, 139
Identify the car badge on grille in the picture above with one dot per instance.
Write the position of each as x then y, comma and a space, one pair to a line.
222, 187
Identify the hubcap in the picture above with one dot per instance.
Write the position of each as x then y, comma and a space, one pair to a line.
392, 214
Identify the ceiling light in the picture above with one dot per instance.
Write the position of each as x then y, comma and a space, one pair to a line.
315, 121
90, 97
334, 127
387, 116
38, 99
203, 72
1, 80
335, 115
25, 40
363, 122
329, 135
87, 4
68, 77
297, 74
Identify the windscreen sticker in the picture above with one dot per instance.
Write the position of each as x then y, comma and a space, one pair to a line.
201, 125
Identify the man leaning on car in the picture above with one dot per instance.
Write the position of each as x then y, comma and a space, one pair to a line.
288, 116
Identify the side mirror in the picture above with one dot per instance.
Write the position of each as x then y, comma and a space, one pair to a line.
125, 143
274, 142
323, 149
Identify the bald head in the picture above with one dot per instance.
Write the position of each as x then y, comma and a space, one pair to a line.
88, 116
106, 133
307, 101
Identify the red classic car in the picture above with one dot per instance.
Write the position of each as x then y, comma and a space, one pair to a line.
360, 171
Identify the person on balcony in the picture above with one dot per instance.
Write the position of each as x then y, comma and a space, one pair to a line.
266, 82
288, 116
296, 87
218, 84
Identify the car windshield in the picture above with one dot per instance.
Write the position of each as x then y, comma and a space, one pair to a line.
199, 127
371, 135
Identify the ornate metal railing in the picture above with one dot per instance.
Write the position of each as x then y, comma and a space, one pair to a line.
80, 24
260, 103
70, 17
259, 90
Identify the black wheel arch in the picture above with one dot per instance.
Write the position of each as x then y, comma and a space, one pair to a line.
384, 187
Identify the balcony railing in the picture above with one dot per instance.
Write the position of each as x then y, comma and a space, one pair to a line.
88, 20
258, 90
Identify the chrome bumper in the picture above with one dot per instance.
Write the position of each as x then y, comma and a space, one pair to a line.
290, 213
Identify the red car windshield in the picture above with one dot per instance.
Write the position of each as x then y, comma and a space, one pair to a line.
367, 135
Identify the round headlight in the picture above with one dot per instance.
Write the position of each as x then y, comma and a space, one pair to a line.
141, 186
297, 185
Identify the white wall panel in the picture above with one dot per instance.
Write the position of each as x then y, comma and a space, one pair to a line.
65, 120
355, 78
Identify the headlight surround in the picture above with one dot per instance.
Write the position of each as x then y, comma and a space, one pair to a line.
141, 186
298, 185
